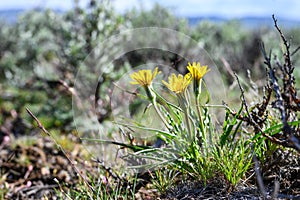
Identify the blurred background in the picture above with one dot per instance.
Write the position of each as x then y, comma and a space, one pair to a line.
44, 42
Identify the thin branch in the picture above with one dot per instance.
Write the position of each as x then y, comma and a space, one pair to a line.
280, 102
286, 44
40, 125
295, 51
259, 178
276, 190
255, 125
68, 88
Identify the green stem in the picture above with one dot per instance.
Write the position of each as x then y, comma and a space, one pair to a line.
188, 122
152, 97
185, 107
200, 117
160, 115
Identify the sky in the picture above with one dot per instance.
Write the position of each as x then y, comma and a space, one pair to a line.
288, 9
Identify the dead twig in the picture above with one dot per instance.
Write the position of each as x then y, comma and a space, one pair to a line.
251, 121
295, 51
259, 178
286, 44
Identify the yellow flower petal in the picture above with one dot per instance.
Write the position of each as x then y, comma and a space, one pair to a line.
144, 77
178, 84
197, 71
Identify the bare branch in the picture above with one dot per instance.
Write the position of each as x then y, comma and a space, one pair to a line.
286, 44
251, 121
295, 51
259, 178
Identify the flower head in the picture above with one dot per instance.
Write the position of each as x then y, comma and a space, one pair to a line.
144, 77
178, 84
197, 70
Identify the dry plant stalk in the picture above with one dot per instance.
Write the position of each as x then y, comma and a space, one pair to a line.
286, 100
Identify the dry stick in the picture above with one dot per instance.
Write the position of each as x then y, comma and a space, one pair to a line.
288, 65
40, 125
251, 121
276, 190
291, 79
285, 42
279, 103
280, 106
259, 177
68, 88
295, 51
288, 68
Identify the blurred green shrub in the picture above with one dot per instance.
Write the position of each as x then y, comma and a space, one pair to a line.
45, 48
158, 16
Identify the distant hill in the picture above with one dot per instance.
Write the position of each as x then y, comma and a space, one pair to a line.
11, 16
249, 22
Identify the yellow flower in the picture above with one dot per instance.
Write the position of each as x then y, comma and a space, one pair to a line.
197, 70
144, 77
178, 84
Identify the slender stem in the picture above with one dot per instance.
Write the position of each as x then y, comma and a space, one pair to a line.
200, 117
152, 97
160, 115
185, 107
197, 92
188, 122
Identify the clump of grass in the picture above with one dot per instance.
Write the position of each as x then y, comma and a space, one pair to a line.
232, 154
163, 178
102, 190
